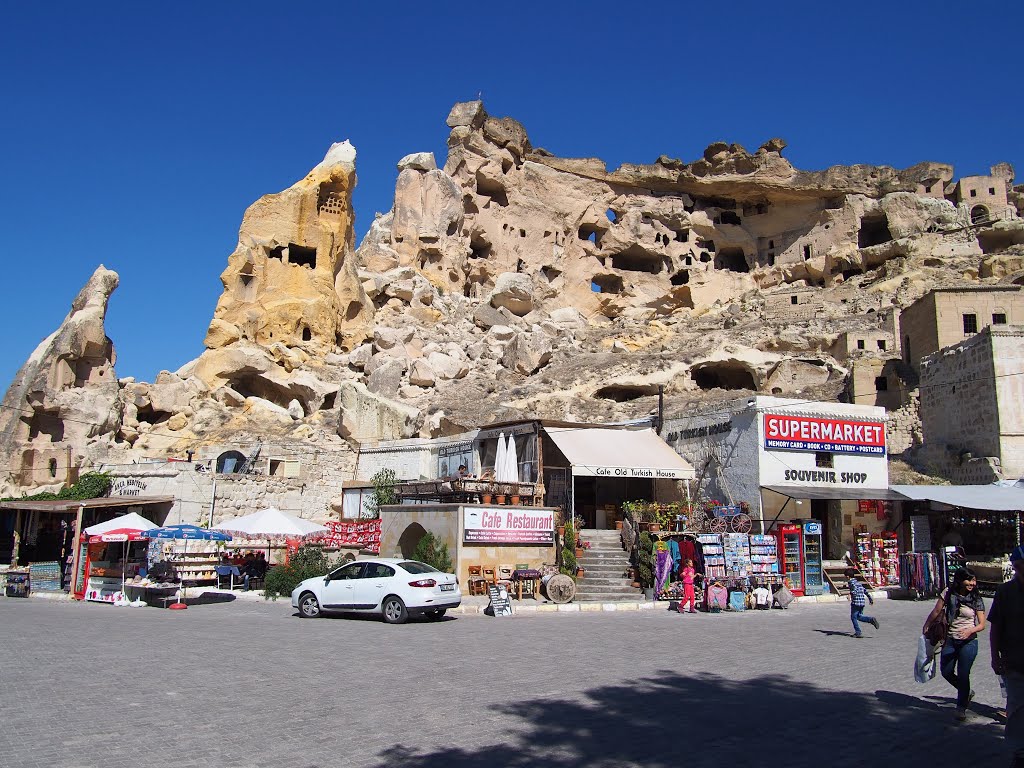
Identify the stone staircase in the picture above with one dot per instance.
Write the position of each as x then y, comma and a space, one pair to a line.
605, 566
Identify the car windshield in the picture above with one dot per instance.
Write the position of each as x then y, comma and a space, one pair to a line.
414, 566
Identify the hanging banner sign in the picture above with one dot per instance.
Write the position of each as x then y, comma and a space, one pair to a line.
784, 432
516, 526
363, 535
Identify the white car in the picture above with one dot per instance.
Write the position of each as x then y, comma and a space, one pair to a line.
392, 587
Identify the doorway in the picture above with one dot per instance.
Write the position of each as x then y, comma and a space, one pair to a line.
829, 512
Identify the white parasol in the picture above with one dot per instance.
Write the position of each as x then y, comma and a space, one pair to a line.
499, 460
130, 521
270, 523
511, 461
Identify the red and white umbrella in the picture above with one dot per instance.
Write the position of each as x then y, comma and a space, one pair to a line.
122, 535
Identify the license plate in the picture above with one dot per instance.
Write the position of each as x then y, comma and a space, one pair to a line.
447, 587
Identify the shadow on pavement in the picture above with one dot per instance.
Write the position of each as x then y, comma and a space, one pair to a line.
674, 720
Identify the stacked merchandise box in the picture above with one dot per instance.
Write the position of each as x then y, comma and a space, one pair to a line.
888, 558
46, 577
764, 557
714, 557
737, 555
866, 558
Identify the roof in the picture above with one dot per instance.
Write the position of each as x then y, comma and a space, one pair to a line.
995, 498
72, 505
834, 494
603, 452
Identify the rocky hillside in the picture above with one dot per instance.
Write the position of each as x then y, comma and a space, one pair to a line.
513, 283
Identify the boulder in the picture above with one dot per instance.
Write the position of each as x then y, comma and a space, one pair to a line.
366, 416
514, 292
527, 353
421, 374
418, 161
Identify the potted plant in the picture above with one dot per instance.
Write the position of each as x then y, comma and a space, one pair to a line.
579, 572
569, 563
645, 564
486, 498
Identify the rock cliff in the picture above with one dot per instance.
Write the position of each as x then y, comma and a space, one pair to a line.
509, 282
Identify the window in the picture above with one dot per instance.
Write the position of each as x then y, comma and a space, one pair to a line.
415, 566
378, 571
350, 571
970, 324
991, 190
974, 193
860, 343
999, 318
794, 300
881, 384
53, 467
823, 460
807, 252
881, 344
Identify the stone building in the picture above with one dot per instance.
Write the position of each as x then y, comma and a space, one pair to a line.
984, 197
972, 407
790, 459
946, 316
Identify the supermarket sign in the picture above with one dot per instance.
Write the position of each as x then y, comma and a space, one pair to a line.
514, 526
784, 432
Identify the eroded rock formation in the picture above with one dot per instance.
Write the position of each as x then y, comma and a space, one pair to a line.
509, 282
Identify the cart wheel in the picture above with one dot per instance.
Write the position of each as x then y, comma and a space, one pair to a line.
741, 523
718, 525
560, 588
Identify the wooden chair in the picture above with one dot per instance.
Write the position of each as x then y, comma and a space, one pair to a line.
490, 574
505, 577
477, 584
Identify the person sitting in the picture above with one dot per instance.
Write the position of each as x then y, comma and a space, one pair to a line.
252, 569
463, 473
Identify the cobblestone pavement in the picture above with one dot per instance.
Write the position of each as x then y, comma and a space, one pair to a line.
251, 685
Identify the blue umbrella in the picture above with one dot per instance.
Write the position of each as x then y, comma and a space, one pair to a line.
186, 533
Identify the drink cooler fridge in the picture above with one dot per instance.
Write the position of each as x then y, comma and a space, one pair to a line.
791, 557
814, 583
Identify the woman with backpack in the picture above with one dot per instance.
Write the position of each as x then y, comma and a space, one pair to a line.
955, 621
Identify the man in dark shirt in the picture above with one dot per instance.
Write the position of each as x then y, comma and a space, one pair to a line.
1007, 643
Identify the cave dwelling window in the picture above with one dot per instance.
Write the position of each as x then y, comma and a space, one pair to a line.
970, 324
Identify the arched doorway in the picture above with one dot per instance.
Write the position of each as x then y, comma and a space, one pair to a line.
978, 214
230, 462
410, 538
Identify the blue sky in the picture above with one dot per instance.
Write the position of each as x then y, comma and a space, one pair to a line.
136, 134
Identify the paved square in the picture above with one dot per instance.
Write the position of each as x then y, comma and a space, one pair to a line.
250, 685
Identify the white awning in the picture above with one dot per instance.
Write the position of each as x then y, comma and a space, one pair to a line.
995, 498
596, 452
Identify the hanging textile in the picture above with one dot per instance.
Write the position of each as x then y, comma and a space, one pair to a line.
663, 565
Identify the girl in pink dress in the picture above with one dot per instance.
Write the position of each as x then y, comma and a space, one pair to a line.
687, 575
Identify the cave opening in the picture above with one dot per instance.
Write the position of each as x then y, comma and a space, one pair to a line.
606, 284
874, 230
623, 393
636, 259
682, 277
732, 259
301, 256
723, 375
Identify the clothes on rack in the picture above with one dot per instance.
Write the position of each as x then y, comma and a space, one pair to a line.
920, 571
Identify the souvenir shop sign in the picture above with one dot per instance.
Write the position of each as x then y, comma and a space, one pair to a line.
365, 535
786, 432
514, 526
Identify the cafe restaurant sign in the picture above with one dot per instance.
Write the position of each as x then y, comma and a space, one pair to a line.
787, 432
511, 526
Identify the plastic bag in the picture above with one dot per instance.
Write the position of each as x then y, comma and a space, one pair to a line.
926, 662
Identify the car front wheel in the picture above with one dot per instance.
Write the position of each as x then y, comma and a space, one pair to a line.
394, 610
309, 606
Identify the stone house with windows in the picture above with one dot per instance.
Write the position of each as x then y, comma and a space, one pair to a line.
972, 406
946, 316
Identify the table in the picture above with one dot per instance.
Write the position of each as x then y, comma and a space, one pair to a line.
524, 575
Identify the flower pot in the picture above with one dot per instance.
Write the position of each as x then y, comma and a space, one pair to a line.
618, 525
654, 526
649, 593
561, 530
579, 552
486, 498
514, 501
579, 573
500, 499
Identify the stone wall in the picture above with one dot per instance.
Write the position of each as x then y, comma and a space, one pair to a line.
959, 406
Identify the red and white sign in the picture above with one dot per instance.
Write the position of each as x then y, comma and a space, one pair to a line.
514, 526
785, 432
363, 535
